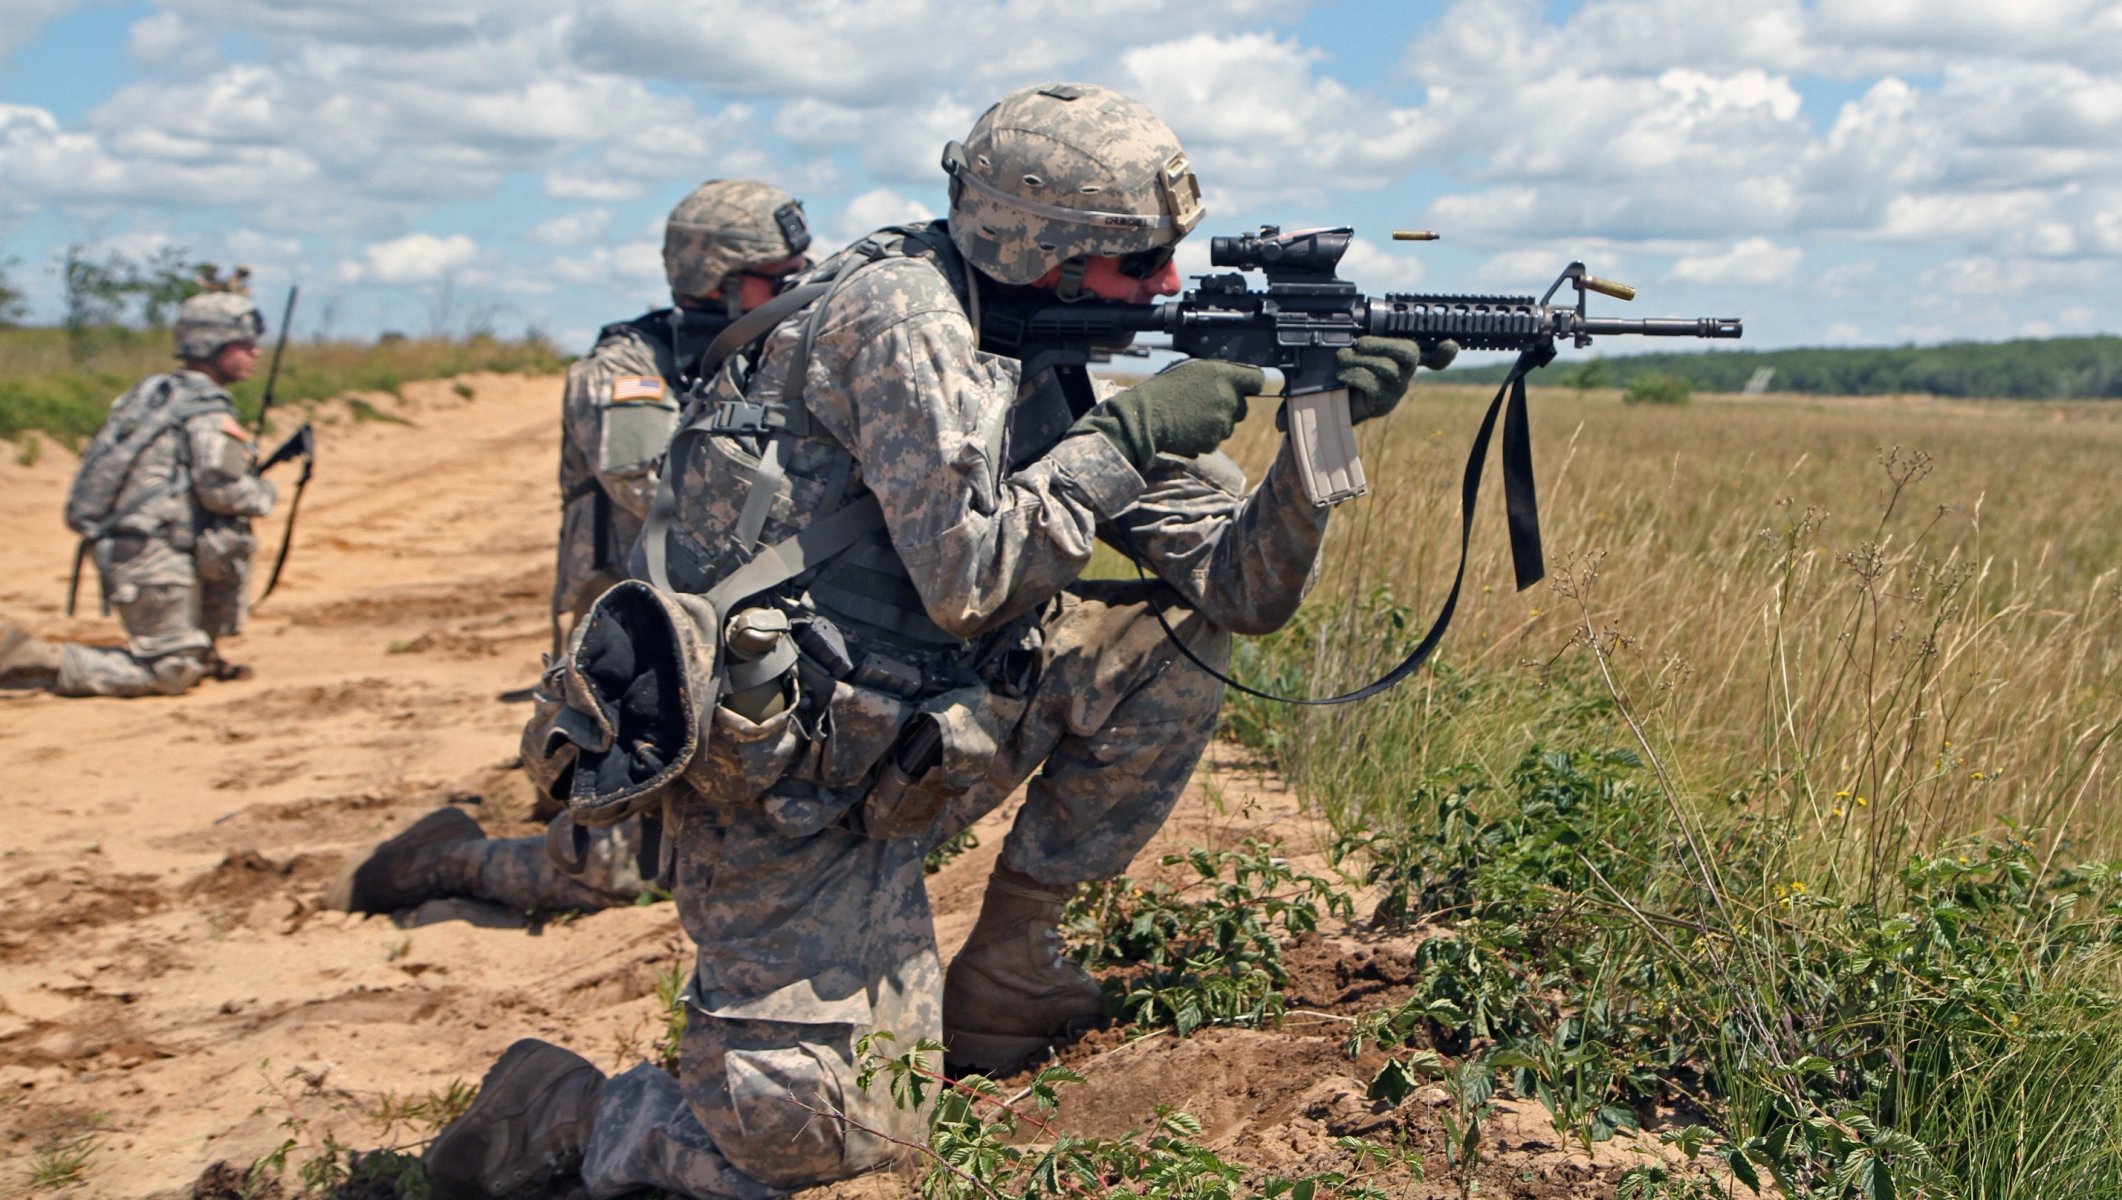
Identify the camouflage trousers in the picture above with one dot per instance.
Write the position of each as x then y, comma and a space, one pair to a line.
805, 945
517, 873
174, 605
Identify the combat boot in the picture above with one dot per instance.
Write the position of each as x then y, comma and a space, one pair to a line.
27, 658
438, 856
530, 1124
1010, 992
220, 670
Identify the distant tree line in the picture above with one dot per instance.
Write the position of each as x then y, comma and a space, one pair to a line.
2025, 369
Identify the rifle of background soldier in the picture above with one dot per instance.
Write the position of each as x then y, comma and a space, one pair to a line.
1296, 325
300, 444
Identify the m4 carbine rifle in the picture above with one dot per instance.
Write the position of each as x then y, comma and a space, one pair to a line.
1297, 324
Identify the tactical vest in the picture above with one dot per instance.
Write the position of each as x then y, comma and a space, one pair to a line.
750, 467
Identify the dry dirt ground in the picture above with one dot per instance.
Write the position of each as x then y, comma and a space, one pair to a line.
173, 997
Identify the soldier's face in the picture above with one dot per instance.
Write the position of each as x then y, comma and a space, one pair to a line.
234, 362
1103, 278
759, 285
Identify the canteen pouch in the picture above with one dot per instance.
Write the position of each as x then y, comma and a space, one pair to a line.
634, 693
945, 749
744, 757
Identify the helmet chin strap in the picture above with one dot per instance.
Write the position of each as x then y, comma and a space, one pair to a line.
1069, 288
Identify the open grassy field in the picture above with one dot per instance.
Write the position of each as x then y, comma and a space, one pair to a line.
43, 390
1788, 797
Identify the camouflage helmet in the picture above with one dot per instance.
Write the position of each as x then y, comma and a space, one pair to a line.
1053, 173
210, 320
726, 225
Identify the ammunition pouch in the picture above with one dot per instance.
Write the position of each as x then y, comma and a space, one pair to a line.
943, 750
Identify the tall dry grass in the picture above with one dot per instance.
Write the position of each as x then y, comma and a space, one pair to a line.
1893, 622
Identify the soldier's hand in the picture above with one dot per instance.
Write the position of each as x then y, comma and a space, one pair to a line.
1440, 356
1187, 410
1376, 372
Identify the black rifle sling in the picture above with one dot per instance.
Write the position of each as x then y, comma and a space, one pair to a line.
1520, 506
287, 535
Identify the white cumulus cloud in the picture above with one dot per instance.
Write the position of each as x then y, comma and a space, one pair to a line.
414, 258
1754, 262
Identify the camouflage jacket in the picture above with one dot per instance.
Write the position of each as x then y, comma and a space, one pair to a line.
986, 529
617, 410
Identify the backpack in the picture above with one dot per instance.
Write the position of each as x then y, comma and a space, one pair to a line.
153, 407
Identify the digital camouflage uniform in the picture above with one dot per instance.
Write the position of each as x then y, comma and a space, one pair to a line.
176, 566
811, 934
607, 468
620, 403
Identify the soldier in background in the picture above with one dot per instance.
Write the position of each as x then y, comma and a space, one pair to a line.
727, 247
163, 500
942, 659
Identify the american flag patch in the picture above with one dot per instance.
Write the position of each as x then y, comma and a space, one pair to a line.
634, 389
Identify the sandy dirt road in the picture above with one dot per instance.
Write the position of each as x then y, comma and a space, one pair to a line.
173, 996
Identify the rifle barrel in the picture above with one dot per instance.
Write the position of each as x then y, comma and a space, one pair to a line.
1701, 327
272, 373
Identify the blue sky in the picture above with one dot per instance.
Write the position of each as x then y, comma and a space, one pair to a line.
1837, 172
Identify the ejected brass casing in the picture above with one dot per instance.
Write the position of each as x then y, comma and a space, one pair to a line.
1607, 287
1416, 235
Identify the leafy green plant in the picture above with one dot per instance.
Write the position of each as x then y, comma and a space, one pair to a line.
1206, 952
986, 1144
948, 849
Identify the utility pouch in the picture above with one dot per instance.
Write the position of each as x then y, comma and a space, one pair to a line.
859, 726
222, 551
946, 748
756, 736
635, 690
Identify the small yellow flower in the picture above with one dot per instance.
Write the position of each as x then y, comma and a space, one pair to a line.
1843, 794
1837, 812
1861, 802
1797, 885
1977, 775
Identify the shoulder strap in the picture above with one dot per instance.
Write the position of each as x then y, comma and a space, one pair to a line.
749, 328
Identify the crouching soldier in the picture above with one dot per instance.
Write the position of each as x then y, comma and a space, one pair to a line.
892, 522
727, 247
163, 501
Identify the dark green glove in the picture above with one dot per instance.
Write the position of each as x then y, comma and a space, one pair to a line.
1377, 370
1188, 410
